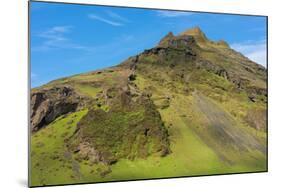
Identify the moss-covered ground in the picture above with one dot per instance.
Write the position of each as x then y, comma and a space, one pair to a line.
191, 154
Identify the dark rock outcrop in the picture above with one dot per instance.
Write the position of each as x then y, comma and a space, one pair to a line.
48, 104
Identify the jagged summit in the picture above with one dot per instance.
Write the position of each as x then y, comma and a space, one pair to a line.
178, 41
192, 49
197, 33
193, 31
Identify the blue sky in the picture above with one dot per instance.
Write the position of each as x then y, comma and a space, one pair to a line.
69, 39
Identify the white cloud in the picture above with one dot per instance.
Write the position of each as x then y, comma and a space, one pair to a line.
104, 20
254, 50
55, 32
54, 38
60, 29
117, 16
171, 14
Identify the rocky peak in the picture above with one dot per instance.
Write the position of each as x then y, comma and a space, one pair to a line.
197, 33
164, 41
176, 41
193, 31
201, 38
169, 35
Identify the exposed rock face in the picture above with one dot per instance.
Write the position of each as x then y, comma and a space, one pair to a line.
177, 42
197, 33
48, 104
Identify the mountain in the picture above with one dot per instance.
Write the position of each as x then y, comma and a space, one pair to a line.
188, 106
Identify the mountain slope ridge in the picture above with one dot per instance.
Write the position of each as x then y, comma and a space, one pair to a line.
161, 106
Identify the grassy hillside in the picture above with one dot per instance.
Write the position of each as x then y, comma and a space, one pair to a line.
189, 106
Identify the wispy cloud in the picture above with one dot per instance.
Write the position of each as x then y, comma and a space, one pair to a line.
254, 50
172, 14
104, 20
55, 38
117, 16
60, 29
55, 33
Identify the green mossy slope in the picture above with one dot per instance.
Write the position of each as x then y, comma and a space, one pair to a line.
189, 106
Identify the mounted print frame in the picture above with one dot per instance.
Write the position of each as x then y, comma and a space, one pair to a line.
127, 93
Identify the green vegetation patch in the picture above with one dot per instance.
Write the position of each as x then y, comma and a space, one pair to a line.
51, 163
131, 131
88, 90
